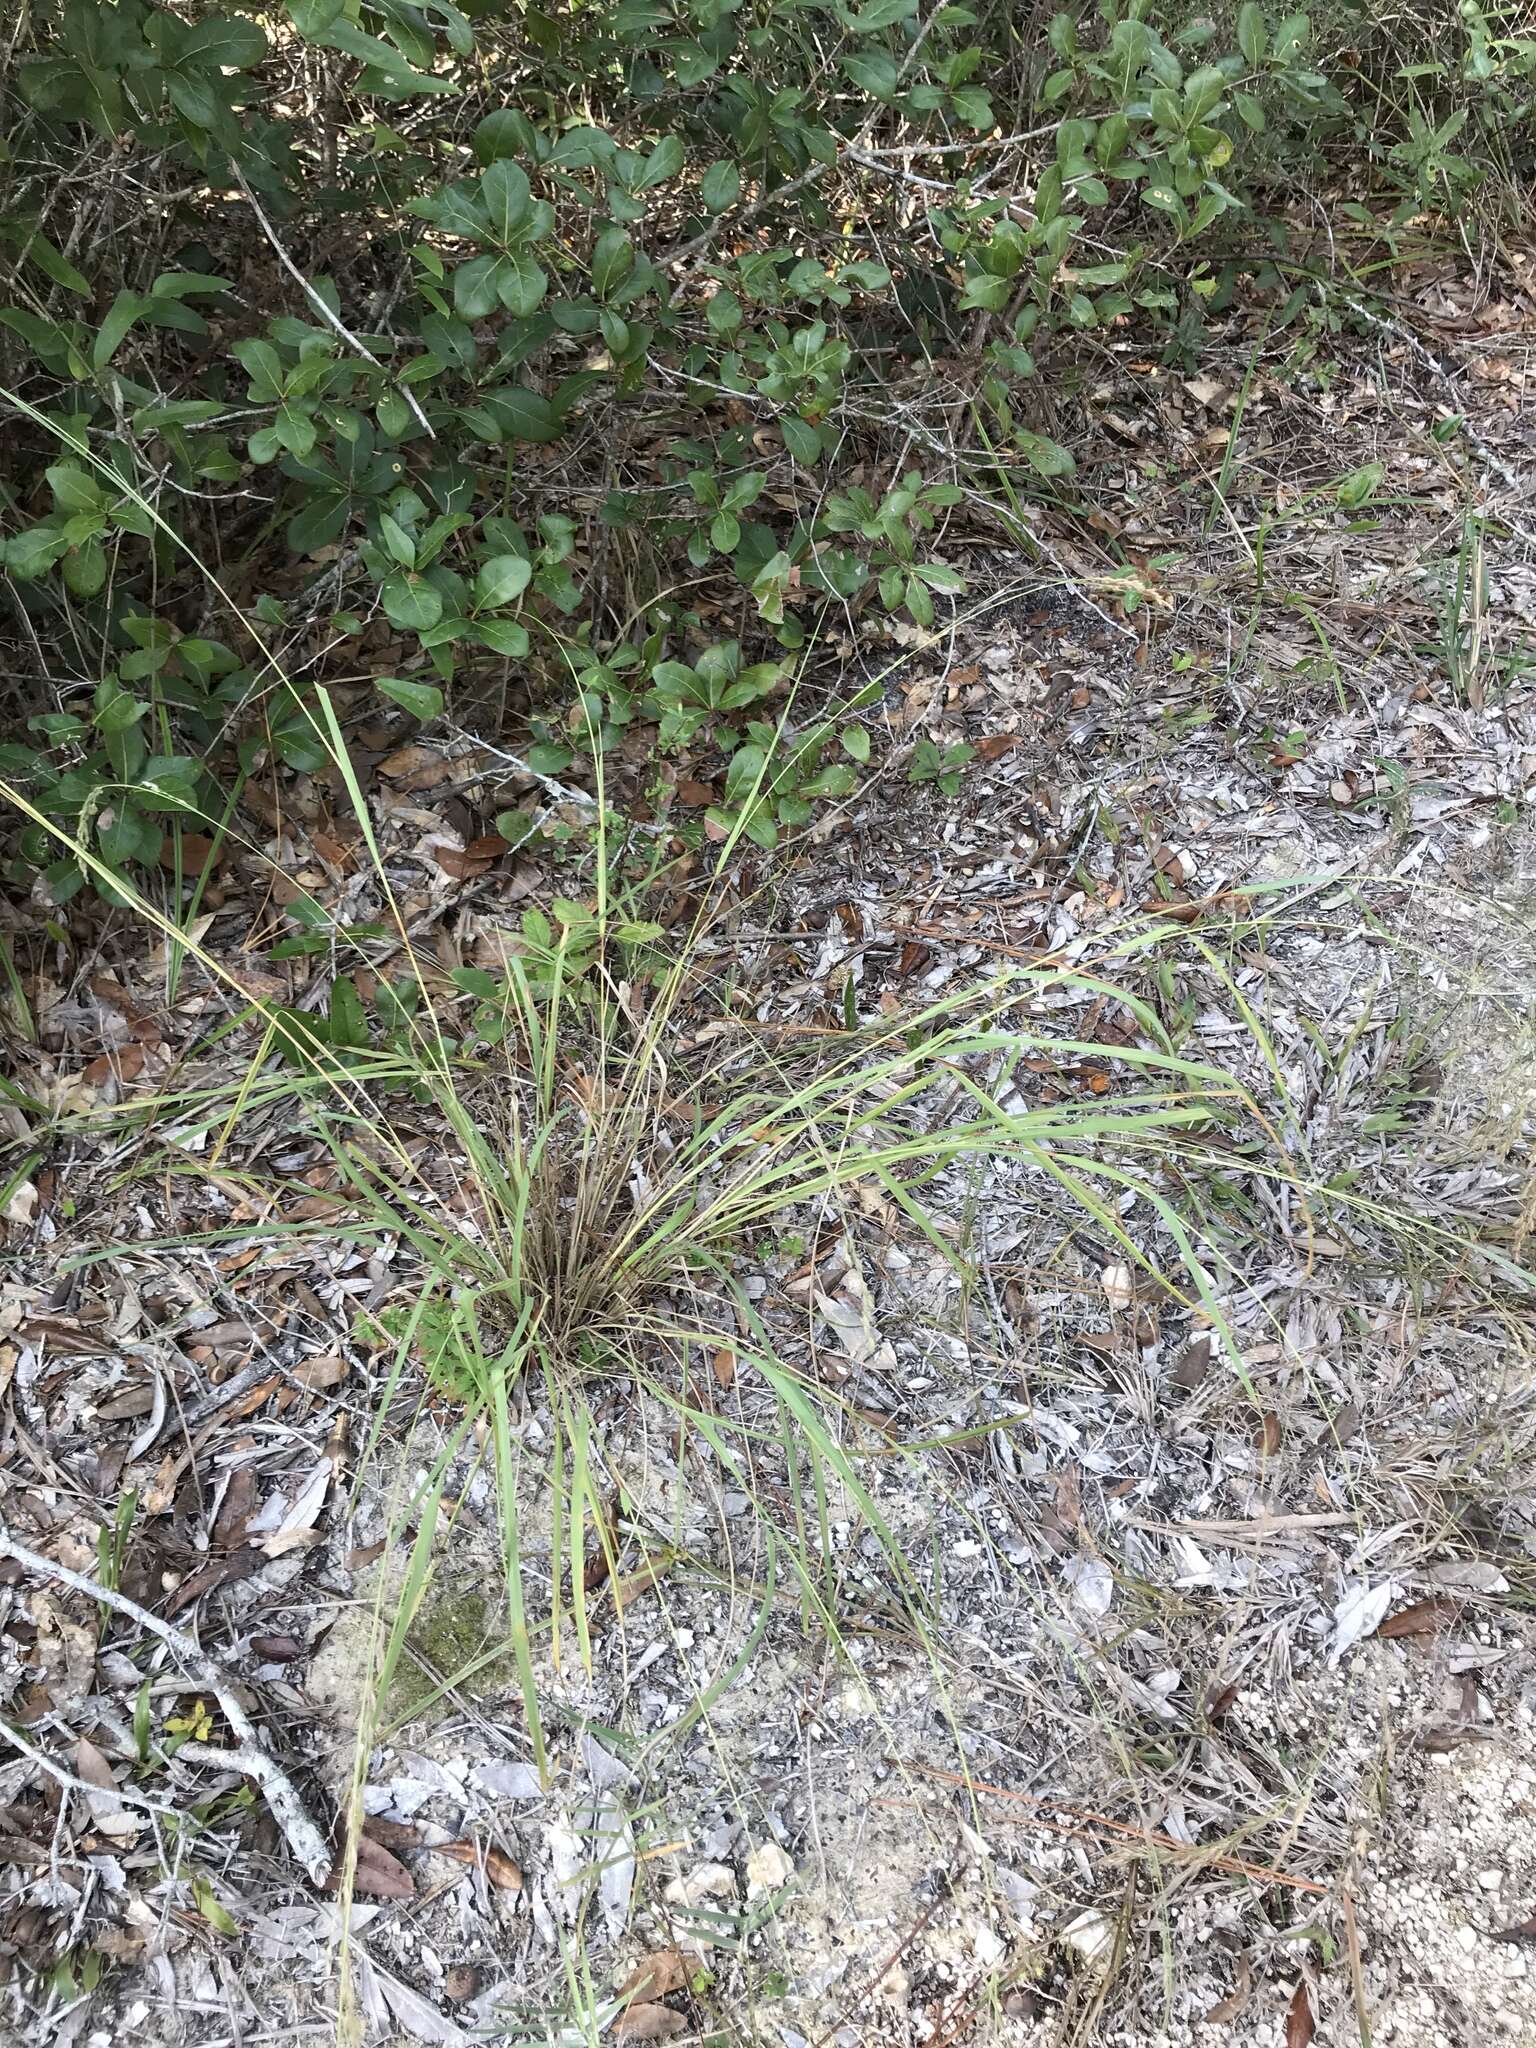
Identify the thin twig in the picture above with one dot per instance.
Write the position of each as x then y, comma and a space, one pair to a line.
817, 170
71, 1783
898, 171
759, 205
332, 320
559, 792
1149, 1838
873, 1983
977, 142
250, 1759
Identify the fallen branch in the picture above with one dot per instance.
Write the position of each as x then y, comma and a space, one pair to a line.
303, 1836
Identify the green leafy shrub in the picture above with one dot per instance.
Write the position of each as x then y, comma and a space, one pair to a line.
616, 356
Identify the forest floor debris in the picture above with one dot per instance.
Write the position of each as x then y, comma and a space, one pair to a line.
1218, 1722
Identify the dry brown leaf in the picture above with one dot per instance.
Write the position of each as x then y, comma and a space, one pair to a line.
336, 853
138, 1400
1299, 2023
416, 767
1194, 1363
1422, 1618
723, 1365
161, 1490
391, 1834
108, 1814
649, 1575
654, 1976
496, 1863
1228, 2008
235, 1509
1268, 1435
319, 1373
125, 1063
62, 1333
380, 1873
1069, 1497
277, 1649
648, 2023
465, 863
700, 795
198, 853
225, 1570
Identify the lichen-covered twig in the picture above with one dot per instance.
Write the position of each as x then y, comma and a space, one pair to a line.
287, 1806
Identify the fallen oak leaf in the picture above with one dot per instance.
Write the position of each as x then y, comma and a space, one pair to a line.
235, 1510
654, 1976
392, 1834
650, 1574
1421, 1618
277, 1649
126, 1063
379, 1874
197, 853
317, 1374
466, 863
416, 767
1299, 2023
1194, 1362
227, 1570
649, 2023
108, 1814
498, 1866
1228, 2008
